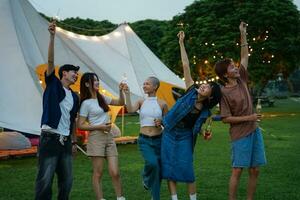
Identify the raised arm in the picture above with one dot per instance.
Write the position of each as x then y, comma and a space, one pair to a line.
185, 61
121, 100
244, 45
131, 108
51, 29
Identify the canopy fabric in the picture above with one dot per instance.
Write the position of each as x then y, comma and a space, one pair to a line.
24, 41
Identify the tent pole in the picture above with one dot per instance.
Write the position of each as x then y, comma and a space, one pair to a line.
123, 111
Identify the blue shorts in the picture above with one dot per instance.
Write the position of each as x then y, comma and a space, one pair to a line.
248, 151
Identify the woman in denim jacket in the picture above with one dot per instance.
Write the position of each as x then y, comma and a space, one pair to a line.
181, 126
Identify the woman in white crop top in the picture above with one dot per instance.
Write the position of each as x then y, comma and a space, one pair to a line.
93, 117
151, 111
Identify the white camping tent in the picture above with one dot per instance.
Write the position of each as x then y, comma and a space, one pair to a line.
23, 47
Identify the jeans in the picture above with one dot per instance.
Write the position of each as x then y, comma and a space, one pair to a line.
150, 150
53, 157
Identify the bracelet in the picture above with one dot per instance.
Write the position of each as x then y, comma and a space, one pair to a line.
243, 45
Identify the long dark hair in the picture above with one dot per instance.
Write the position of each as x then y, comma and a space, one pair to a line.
215, 96
86, 92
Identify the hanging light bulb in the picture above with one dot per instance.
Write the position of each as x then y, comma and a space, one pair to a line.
117, 34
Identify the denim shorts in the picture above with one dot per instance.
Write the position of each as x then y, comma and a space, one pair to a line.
248, 151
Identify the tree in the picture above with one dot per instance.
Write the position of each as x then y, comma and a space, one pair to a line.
151, 32
212, 32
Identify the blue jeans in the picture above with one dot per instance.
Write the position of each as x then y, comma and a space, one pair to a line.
53, 157
150, 150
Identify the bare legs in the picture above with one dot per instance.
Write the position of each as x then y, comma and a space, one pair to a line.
98, 164
113, 169
234, 181
253, 175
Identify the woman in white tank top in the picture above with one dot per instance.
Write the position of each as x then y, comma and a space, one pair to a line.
151, 111
101, 145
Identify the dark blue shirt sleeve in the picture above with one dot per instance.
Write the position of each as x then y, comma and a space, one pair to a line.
50, 78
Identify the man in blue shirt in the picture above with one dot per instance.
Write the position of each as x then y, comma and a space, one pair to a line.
58, 136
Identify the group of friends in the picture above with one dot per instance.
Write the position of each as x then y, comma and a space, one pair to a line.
167, 137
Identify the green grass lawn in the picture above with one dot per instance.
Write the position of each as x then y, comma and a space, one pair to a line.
279, 180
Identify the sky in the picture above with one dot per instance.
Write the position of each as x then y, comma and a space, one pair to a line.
297, 2
116, 11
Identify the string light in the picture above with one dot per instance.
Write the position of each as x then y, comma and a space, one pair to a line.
206, 61
180, 24
59, 29
95, 38
71, 34
105, 37
117, 34
128, 29
83, 37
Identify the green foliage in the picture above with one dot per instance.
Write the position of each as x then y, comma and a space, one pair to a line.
88, 26
212, 33
151, 32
